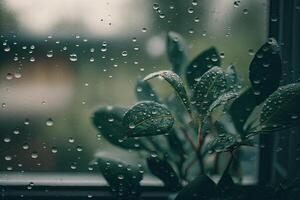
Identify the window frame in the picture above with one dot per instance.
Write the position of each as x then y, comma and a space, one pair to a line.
284, 25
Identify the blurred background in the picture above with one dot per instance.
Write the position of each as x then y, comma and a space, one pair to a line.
61, 59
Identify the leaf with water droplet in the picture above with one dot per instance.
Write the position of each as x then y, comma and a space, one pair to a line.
222, 100
123, 179
224, 142
233, 80
175, 81
201, 64
281, 109
176, 50
202, 187
241, 108
144, 91
162, 169
265, 70
147, 118
109, 121
209, 87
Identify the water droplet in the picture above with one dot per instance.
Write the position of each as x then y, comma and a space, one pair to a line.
236, 4
71, 140
120, 177
6, 140
50, 54
49, 122
25, 146
7, 49
26, 121
79, 148
190, 10
73, 57
8, 158
110, 119
9, 76
34, 155
54, 149
32, 59
124, 53
131, 125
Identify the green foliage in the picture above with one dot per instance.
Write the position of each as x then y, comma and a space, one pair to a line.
265, 70
147, 118
241, 108
124, 179
109, 121
209, 87
145, 92
186, 139
176, 50
282, 108
175, 81
201, 64
224, 142
162, 169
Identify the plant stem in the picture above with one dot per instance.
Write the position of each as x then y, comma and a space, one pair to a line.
195, 148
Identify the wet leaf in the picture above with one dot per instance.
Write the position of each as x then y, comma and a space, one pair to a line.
176, 50
162, 169
265, 70
223, 99
109, 121
201, 64
233, 80
201, 187
123, 179
282, 108
175, 81
147, 118
144, 92
209, 87
224, 142
175, 143
241, 108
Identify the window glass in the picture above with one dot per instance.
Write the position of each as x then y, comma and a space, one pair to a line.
60, 60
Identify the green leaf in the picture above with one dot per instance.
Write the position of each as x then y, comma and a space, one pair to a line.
147, 118
144, 92
162, 169
201, 64
265, 70
281, 109
224, 142
241, 108
175, 143
233, 80
123, 179
175, 81
200, 188
223, 99
176, 50
209, 87
109, 121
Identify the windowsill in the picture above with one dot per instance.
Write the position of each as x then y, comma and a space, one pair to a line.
63, 179
50, 185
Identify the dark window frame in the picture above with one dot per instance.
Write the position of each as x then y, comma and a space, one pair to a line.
284, 25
